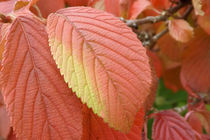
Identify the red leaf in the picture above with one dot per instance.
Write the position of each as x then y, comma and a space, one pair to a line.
204, 116
170, 48
180, 30
204, 21
195, 75
77, 2
4, 120
96, 129
50, 6
11, 136
40, 104
161, 4
107, 59
194, 122
169, 125
156, 63
7, 6
118, 8
137, 7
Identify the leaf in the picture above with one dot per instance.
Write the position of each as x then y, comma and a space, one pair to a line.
156, 62
4, 120
204, 20
137, 7
7, 6
180, 30
103, 61
96, 129
98, 4
40, 104
77, 2
195, 76
194, 122
174, 52
169, 125
51, 6
204, 117
197, 4
119, 8
161, 4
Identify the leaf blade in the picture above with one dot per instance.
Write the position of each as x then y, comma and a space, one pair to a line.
170, 125
40, 104
75, 34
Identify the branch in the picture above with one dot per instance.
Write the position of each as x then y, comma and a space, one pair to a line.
155, 38
154, 19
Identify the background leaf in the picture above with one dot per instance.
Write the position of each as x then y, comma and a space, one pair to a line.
170, 125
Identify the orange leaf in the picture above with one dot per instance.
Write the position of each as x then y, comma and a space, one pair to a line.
198, 7
137, 7
95, 129
180, 30
161, 4
103, 61
170, 48
77, 2
4, 120
50, 6
204, 21
7, 6
40, 104
118, 8
156, 63
204, 116
169, 125
194, 122
195, 75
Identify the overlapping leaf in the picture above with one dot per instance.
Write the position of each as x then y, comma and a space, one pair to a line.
198, 7
199, 118
195, 74
77, 2
96, 129
49, 6
40, 104
119, 8
137, 7
161, 4
204, 21
169, 125
180, 30
103, 61
7, 6
4, 120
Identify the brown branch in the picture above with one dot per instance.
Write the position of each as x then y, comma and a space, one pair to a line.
154, 19
159, 35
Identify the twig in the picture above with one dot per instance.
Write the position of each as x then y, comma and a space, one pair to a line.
154, 19
155, 38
